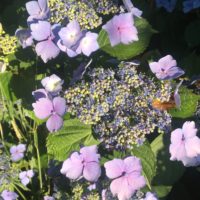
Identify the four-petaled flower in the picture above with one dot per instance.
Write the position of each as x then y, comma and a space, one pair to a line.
52, 84
24, 36
185, 145
26, 176
17, 152
85, 163
166, 68
52, 109
121, 29
126, 175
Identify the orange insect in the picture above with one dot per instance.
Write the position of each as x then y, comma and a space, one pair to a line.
157, 104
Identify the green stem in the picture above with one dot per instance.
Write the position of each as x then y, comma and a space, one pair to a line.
38, 158
23, 197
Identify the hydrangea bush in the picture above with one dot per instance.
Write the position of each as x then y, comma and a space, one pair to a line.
99, 100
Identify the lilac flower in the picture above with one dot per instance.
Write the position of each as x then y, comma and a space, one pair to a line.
127, 176
51, 109
25, 38
185, 145
88, 44
26, 176
17, 152
169, 5
52, 84
8, 195
121, 29
130, 7
92, 187
37, 10
150, 196
190, 5
49, 198
166, 68
85, 163
46, 35
69, 38
70, 34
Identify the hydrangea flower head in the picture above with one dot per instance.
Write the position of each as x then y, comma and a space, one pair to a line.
126, 175
190, 5
44, 33
37, 9
26, 176
8, 195
121, 29
166, 68
52, 84
24, 36
17, 152
150, 196
88, 44
85, 163
185, 145
51, 109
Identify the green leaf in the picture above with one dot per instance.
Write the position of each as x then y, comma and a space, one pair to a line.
145, 153
122, 51
69, 138
168, 172
5, 79
162, 191
189, 102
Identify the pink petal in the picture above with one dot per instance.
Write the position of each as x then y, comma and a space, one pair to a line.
129, 35
189, 129
43, 108
114, 168
167, 62
136, 181
41, 30
155, 67
192, 146
47, 50
54, 123
89, 154
59, 105
73, 166
132, 164
92, 171
177, 152
32, 8
120, 188
25, 181
176, 136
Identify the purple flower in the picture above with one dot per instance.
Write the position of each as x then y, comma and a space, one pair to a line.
52, 84
25, 38
150, 196
88, 44
185, 145
51, 109
69, 38
8, 195
126, 175
85, 163
26, 176
166, 68
49, 198
45, 34
121, 29
17, 152
37, 10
